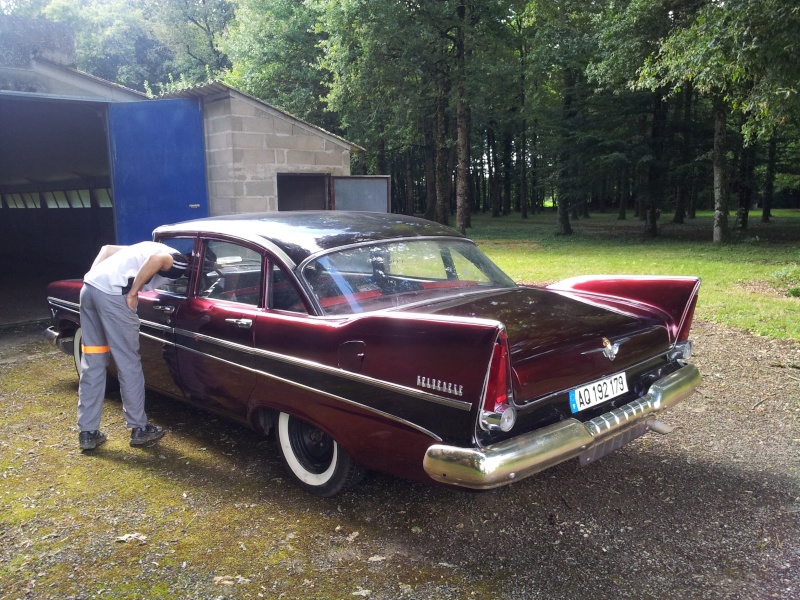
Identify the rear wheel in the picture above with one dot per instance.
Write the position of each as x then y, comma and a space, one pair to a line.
314, 459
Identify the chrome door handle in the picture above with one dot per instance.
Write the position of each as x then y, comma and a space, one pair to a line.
166, 309
241, 323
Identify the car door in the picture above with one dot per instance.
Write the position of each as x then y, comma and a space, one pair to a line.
157, 310
214, 327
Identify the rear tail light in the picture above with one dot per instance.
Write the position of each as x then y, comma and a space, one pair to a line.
497, 412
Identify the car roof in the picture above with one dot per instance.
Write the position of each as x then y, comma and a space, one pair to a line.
299, 234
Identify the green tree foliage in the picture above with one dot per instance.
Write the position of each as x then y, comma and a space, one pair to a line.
503, 106
274, 48
141, 43
113, 40
192, 31
742, 50
740, 54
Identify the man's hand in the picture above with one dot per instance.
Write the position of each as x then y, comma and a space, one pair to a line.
132, 298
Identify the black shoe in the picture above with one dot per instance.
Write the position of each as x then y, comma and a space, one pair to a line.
89, 440
141, 436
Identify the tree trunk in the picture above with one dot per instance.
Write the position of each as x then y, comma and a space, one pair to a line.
685, 183
381, 157
361, 168
494, 172
442, 158
720, 171
430, 172
522, 159
566, 183
409, 208
538, 205
564, 226
746, 185
508, 171
655, 171
769, 179
462, 128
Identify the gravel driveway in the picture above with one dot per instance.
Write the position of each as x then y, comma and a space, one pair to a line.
711, 510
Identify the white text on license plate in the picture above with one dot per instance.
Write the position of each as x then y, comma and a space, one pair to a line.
597, 392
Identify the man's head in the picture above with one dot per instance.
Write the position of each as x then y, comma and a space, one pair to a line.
180, 264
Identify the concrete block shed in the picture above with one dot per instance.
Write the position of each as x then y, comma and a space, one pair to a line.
85, 162
261, 158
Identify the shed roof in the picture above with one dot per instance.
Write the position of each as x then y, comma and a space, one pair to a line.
217, 88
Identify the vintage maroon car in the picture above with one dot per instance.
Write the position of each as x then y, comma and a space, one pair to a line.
390, 343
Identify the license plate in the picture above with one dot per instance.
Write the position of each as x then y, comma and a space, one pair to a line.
598, 392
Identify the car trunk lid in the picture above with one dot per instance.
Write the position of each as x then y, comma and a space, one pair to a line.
561, 341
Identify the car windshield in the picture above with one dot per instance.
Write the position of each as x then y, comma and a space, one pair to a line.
391, 274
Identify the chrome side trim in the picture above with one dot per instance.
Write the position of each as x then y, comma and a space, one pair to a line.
324, 393
296, 384
236, 231
154, 325
516, 458
71, 306
393, 387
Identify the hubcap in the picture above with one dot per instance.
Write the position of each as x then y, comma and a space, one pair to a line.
312, 446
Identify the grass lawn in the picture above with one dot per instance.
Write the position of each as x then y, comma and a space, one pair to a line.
748, 283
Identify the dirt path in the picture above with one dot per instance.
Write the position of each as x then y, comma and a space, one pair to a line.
710, 511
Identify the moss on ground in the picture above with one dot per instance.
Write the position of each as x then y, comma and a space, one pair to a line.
208, 512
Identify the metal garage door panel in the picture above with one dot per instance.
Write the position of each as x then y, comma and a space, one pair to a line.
158, 166
369, 193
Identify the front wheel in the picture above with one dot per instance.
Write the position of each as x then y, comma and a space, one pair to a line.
77, 352
314, 459
112, 383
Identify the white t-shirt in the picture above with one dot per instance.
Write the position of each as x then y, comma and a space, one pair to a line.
119, 269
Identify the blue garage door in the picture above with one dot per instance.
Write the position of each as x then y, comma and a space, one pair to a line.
158, 166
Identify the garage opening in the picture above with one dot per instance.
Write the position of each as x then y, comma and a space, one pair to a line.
56, 205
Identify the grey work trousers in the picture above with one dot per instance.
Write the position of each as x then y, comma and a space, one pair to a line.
109, 328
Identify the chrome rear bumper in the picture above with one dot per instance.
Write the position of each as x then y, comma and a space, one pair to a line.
525, 455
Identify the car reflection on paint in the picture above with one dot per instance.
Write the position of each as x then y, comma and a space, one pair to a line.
384, 342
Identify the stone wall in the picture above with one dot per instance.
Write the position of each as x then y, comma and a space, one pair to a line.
248, 143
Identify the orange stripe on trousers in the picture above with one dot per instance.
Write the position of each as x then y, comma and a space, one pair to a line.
95, 349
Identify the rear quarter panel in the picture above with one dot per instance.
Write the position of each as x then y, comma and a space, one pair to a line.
385, 386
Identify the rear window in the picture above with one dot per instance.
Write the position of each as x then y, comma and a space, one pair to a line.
391, 274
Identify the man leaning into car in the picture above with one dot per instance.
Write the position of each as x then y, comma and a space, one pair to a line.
110, 326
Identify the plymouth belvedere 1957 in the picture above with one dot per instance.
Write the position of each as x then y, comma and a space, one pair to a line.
389, 343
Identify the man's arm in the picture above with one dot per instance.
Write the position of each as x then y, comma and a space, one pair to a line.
154, 264
105, 252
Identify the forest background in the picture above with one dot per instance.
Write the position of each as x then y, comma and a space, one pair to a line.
654, 109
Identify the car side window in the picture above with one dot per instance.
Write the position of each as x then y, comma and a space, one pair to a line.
180, 286
231, 272
283, 294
